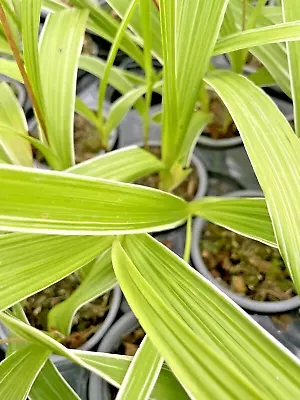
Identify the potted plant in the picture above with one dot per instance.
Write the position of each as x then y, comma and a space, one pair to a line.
189, 323
253, 274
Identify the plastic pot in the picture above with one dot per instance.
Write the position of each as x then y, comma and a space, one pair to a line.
93, 341
98, 388
248, 304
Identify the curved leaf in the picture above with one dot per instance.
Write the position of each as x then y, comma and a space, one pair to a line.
99, 280
273, 149
19, 370
214, 348
60, 47
62, 203
124, 165
48, 258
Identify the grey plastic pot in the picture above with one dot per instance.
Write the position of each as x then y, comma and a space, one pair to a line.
98, 388
94, 340
248, 304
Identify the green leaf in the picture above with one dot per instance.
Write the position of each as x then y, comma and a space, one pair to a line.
262, 77
60, 47
30, 32
121, 80
274, 157
125, 165
198, 122
82, 109
10, 69
4, 46
104, 25
249, 217
121, 107
16, 149
289, 31
19, 370
142, 373
50, 385
228, 28
272, 56
99, 280
62, 203
273, 13
291, 12
47, 258
111, 367
136, 24
189, 31
214, 348
111, 57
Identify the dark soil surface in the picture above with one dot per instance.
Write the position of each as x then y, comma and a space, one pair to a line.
87, 320
245, 266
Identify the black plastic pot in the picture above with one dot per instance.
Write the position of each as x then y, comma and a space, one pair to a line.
99, 388
248, 304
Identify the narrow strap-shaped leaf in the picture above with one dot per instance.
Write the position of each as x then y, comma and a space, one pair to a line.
50, 385
19, 370
142, 373
16, 148
228, 28
197, 124
124, 165
62, 203
291, 12
103, 24
30, 32
170, 93
136, 24
111, 367
197, 28
100, 279
48, 259
273, 13
121, 107
82, 109
249, 217
272, 56
273, 149
4, 46
213, 347
60, 47
258, 37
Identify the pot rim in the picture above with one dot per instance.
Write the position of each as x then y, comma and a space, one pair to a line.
248, 304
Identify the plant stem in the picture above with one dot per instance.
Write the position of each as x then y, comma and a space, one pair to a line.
156, 2
188, 240
19, 61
